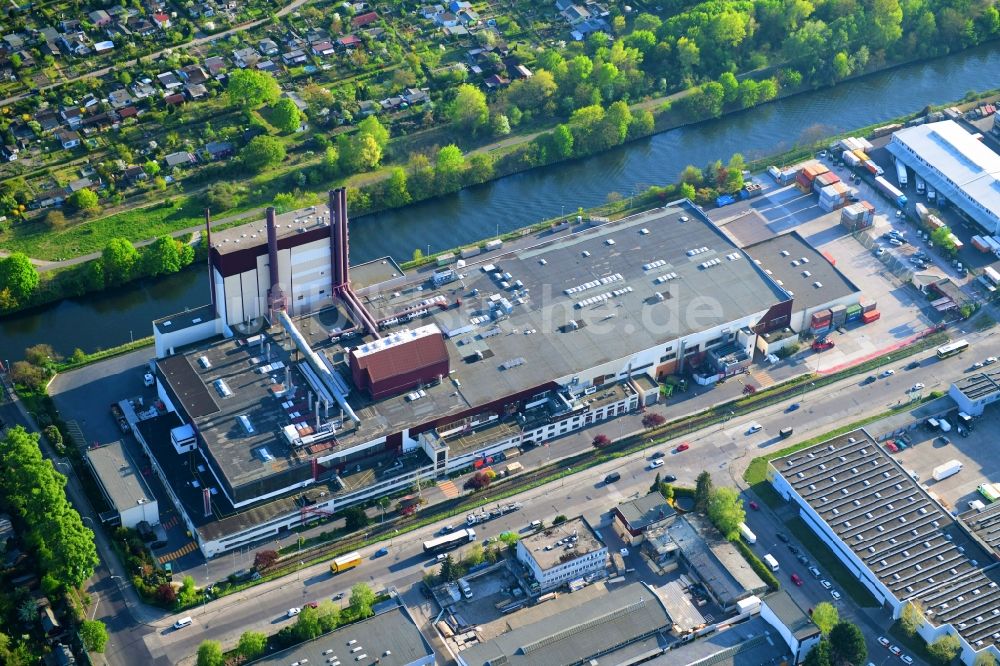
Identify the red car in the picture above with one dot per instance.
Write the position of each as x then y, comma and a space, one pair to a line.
682, 447
796, 580
892, 447
822, 345
754, 506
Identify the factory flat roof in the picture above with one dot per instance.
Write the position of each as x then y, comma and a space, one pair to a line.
186, 319
543, 549
799, 267
979, 385
390, 638
985, 525
121, 480
750, 643
373, 272
643, 512
898, 531
717, 561
621, 625
966, 163
791, 615
254, 233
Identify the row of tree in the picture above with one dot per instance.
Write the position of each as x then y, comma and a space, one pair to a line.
32, 490
842, 643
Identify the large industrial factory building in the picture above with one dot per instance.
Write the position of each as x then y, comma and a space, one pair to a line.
308, 385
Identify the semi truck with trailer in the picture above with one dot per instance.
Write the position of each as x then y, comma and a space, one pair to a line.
747, 535
901, 173
891, 191
450, 541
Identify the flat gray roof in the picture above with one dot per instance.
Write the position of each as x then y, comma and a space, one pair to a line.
254, 233
186, 319
716, 561
122, 481
750, 643
543, 549
642, 512
798, 267
914, 547
626, 622
985, 525
390, 638
791, 615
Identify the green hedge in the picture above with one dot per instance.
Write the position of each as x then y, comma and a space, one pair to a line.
757, 565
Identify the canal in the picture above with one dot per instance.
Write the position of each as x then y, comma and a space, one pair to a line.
110, 319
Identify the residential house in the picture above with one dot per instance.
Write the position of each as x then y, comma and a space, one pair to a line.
268, 47
175, 99
50, 625
349, 42
107, 46
14, 42
53, 197
67, 138
48, 34
128, 112
89, 100
162, 21
195, 91
100, 18
430, 11
99, 121
207, 10
267, 65
218, 150
119, 99
169, 80
575, 15
140, 26
468, 17
456, 31
597, 9
324, 48
22, 132
364, 19
135, 174
215, 65
367, 107
27, 60
64, 656
118, 13
495, 82
75, 43
391, 103
296, 57
72, 116
143, 89
49, 49
193, 74
300, 103
245, 58
48, 119
10, 153
70, 25
446, 20
523, 71
179, 159
414, 96
85, 184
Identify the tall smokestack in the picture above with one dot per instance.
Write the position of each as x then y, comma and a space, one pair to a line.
334, 242
345, 246
275, 299
208, 256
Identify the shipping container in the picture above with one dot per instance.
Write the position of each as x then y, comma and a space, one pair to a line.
870, 316
788, 175
992, 275
470, 251
934, 222
824, 179
775, 173
991, 491
867, 304
494, 244
839, 314
993, 242
956, 242
445, 259
922, 211
980, 244
873, 168
850, 159
853, 313
862, 155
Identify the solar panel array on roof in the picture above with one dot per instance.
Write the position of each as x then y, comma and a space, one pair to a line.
894, 527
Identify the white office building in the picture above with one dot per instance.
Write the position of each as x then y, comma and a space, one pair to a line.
563, 553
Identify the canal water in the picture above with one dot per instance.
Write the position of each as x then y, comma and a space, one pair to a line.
111, 318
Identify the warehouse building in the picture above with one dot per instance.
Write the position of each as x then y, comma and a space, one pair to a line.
895, 538
562, 553
308, 385
972, 393
962, 169
631, 519
123, 486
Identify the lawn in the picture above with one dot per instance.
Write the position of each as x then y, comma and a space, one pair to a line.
830, 565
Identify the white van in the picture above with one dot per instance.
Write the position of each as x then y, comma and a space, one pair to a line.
183, 622
465, 587
945, 426
771, 562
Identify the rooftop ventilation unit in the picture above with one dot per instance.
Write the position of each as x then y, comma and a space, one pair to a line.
653, 264
222, 388
817, 284
204, 362
785, 253
245, 422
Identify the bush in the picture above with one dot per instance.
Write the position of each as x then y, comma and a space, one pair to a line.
166, 594
652, 420
559, 520
264, 559
601, 441
480, 480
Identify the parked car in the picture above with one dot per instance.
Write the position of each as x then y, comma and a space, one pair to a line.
781, 537
814, 571
381, 552
792, 407
655, 464
753, 505
835, 595
870, 379
754, 427
895, 650
292, 612
883, 641
657, 454
796, 579
888, 373
826, 584
989, 360
669, 478
906, 659
803, 560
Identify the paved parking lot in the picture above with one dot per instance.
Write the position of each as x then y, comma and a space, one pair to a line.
980, 464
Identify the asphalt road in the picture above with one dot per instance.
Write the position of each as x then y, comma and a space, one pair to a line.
723, 450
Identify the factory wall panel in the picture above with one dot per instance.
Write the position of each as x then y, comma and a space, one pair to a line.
233, 293
251, 299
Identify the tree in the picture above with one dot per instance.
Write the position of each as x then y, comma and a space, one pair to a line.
285, 116
210, 654
307, 625
601, 440
396, 194
252, 645
534, 92
94, 635
653, 420
945, 649
474, 555
501, 125
559, 520
447, 572
448, 171
468, 109
820, 655
355, 518
162, 257
55, 219
480, 480
362, 600
911, 617
19, 275
985, 659
725, 510
83, 201
262, 153
119, 259
847, 644
264, 559
730, 87
825, 616
374, 128
152, 168
562, 139
250, 88
702, 491
360, 152
942, 238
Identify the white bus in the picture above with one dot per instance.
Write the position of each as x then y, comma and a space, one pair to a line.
952, 348
747, 535
449, 541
